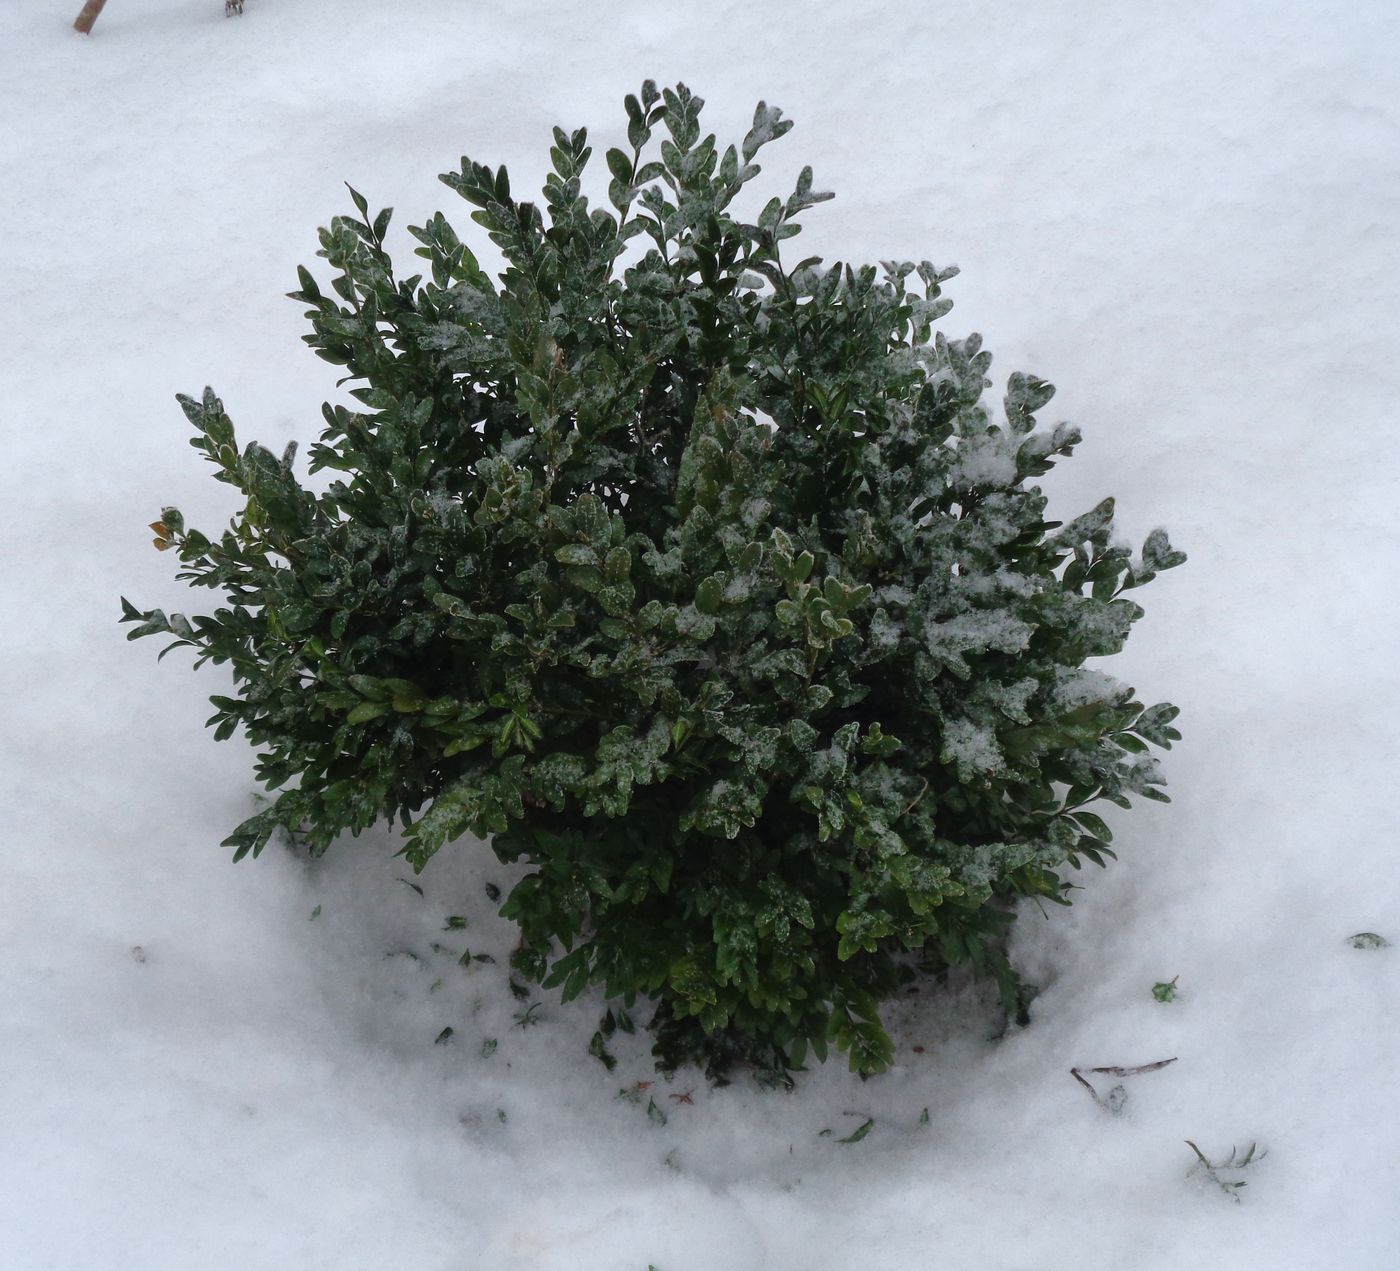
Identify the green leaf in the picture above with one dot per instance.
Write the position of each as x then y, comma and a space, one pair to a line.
708, 595
576, 554
619, 165
373, 689
1095, 825
367, 711
618, 565
597, 1047
859, 1132
1158, 553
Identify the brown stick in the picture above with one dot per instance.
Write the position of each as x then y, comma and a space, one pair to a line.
1132, 1072
1115, 1071
1074, 1072
88, 16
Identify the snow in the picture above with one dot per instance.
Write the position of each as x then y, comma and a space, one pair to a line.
973, 749
1082, 686
986, 460
1188, 220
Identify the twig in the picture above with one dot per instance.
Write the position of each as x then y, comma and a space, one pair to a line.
1114, 1070
909, 807
1128, 1072
1074, 1072
1211, 1168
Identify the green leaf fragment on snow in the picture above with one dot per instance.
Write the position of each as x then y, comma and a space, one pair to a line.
859, 1132
1165, 991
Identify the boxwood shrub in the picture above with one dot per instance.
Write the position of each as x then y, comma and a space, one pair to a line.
711, 586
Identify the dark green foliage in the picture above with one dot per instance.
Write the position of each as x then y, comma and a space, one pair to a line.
707, 585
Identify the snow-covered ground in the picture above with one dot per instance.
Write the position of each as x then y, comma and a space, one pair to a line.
1187, 216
